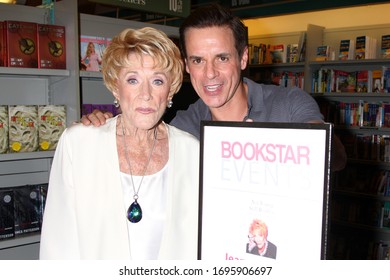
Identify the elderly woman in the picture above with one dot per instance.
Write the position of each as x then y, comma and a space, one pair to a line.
127, 189
258, 243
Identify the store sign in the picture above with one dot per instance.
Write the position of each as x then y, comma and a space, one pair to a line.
264, 191
178, 8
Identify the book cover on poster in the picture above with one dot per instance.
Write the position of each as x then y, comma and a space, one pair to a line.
264, 191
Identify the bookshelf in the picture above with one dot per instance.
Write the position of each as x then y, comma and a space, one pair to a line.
263, 72
357, 204
28, 86
358, 230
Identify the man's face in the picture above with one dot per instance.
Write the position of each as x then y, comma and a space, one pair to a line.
213, 64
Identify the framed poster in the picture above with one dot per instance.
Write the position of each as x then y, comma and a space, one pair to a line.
264, 190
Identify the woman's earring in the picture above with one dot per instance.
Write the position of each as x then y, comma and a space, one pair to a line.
116, 103
170, 103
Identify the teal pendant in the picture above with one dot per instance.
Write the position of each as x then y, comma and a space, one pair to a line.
134, 213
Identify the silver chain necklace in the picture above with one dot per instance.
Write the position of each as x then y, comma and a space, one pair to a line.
134, 213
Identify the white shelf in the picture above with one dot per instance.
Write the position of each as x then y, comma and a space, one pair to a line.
34, 72
91, 75
20, 240
23, 156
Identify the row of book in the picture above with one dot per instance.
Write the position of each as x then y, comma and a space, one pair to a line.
288, 79
358, 247
368, 147
375, 214
364, 180
32, 45
21, 210
278, 53
368, 81
380, 250
359, 114
29, 128
362, 47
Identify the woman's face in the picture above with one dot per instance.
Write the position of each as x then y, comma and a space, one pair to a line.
259, 238
142, 91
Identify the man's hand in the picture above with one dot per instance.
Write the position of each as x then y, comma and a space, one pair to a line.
96, 118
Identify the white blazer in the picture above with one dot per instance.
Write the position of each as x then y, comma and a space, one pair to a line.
85, 217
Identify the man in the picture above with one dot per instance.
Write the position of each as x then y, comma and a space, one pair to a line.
214, 47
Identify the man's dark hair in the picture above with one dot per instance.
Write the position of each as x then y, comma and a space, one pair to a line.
214, 15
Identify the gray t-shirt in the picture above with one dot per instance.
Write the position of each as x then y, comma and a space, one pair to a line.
266, 103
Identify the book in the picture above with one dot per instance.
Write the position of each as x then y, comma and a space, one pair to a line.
267, 55
7, 216
385, 46
386, 114
264, 54
292, 53
27, 209
322, 53
51, 46
278, 53
361, 46
362, 81
51, 124
250, 53
376, 81
255, 55
386, 79
43, 188
2, 45
21, 44
346, 50
91, 52
365, 47
3, 129
302, 47
345, 81
386, 221
23, 128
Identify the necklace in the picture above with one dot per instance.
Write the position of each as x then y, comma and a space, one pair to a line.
134, 213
